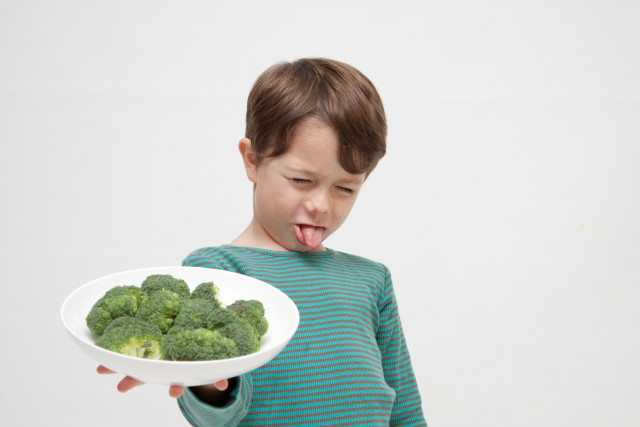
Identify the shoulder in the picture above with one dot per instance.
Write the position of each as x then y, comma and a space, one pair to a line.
200, 254
361, 263
357, 259
237, 259
212, 256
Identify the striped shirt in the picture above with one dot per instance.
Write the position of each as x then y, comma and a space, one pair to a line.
346, 365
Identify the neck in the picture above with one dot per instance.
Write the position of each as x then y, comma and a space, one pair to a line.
255, 236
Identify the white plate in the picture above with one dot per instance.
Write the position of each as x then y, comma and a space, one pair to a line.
281, 313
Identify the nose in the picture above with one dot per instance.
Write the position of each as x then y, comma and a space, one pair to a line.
317, 203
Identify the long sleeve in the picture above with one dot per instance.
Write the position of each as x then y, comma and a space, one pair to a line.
201, 414
396, 362
346, 364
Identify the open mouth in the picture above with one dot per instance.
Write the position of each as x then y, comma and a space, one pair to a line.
309, 235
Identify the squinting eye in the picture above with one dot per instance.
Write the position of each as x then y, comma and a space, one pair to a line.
345, 190
301, 180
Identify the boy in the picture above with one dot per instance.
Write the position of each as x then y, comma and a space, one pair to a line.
315, 129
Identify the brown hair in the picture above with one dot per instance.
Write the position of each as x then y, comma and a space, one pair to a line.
288, 93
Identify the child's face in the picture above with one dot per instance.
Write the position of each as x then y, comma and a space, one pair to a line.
303, 195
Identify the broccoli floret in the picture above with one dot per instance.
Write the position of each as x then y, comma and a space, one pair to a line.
116, 302
221, 317
133, 337
234, 327
157, 282
160, 309
253, 312
208, 291
162, 319
243, 334
198, 344
194, 314
98, 319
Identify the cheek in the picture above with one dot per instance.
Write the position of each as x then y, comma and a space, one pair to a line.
279, 199
343, 208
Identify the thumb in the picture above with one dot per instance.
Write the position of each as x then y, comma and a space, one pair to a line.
221, 385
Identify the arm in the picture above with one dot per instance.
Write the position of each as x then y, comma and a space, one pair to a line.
199, 410
208, 405
396, 362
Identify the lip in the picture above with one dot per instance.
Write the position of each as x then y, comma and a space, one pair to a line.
298, 226
310, 225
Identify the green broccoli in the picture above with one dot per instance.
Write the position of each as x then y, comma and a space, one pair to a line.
157, 282
232, 326
243, 334
198, 344
116, 302
221, 317
162, 319
160, 309
194, 314
253, 312
133, 337
208, 291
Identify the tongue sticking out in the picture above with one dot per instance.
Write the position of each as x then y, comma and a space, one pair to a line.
310, 235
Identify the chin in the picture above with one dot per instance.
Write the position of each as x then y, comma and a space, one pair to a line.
301, 247
318, 248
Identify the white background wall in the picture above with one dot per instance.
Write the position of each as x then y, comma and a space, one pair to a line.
507, 207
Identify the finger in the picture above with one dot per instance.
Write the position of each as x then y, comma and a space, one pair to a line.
176, 391
222, 384
103, 370
128, 383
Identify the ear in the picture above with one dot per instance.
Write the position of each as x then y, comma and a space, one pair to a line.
249, 158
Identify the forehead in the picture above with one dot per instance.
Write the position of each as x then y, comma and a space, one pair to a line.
314, 148
313, 142
313, 133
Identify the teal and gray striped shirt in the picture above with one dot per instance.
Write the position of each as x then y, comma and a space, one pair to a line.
347, 363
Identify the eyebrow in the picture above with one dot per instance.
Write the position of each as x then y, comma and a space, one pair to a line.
351, 181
